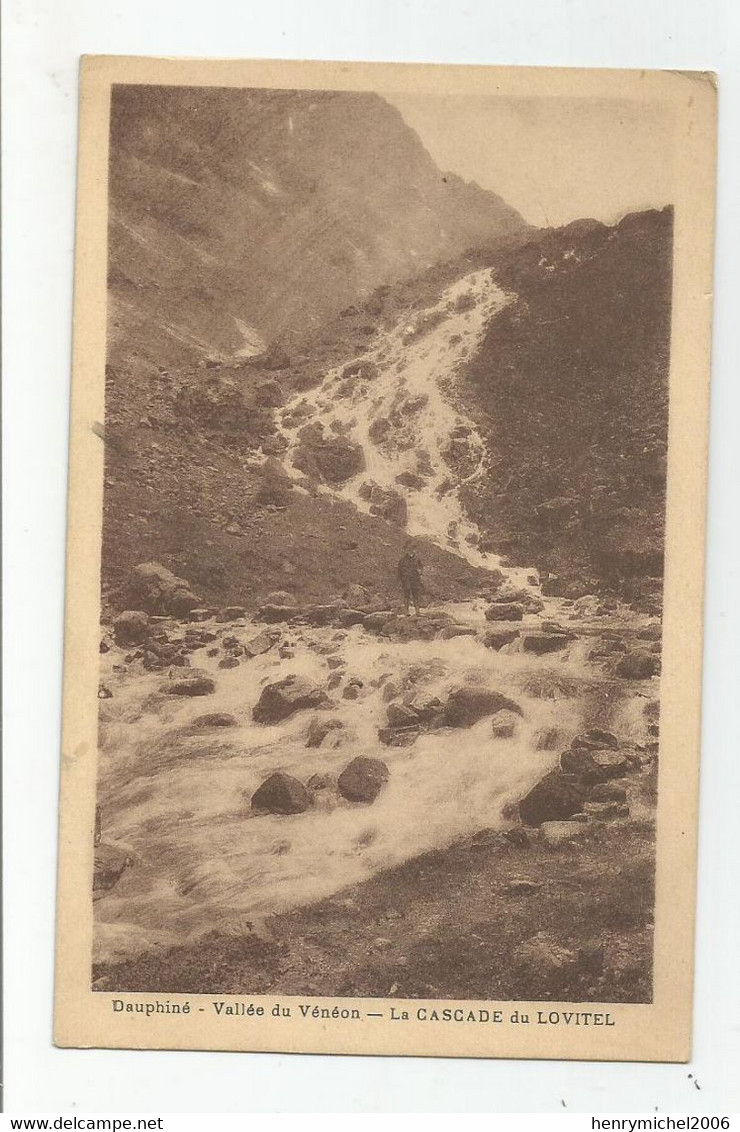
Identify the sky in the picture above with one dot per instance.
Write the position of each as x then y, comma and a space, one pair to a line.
553, 159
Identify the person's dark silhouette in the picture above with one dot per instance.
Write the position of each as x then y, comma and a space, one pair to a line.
409, 575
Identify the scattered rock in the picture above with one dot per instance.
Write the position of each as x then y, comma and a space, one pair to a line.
555, 798
497, 638
653, 632
357, 596
130, 627
516, 836
638, 666
333, 459
281, 597
505, 611
400, 715
376, 621
260, 644
504, 724
466, 705
363, 779
215, 719
194, 685
283, 698
274, 614
541, 643
155, 589
281, 794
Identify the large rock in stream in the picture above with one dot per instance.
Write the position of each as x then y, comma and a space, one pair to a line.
131, 627
363, 779
283, 698
281, 794
555, 798
155, 589
466, 705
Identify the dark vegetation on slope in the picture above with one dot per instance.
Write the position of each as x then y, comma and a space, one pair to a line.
571, 389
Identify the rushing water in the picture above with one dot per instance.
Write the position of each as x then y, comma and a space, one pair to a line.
178, 798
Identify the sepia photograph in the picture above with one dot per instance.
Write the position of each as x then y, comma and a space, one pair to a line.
379, 617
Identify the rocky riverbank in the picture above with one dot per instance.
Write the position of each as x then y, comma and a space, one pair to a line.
255, 766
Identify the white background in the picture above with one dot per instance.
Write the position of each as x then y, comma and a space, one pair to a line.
43, 40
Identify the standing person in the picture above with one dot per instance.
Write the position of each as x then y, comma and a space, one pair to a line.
409, 575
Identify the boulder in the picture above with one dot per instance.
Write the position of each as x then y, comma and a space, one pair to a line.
579, 762
398, 736
541, 643
215, 719
638, 666
411, 480
608, 792
357, 596
201, 614
260, 644
333, 459
229, 662
421, 627
319, 728
425, 706
375, 621
555, 798
505, 611
363, 779
504, 724
653, 632
283, 698
131, 627
196, 684
497, 638
281, 794
274, 614
450, 631
611, 764
466, 705
400, 715
155, 589
109, 863
389, 505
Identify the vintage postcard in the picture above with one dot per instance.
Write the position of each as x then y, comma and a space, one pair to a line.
385, 566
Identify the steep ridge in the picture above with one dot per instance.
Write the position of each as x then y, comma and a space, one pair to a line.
239, 217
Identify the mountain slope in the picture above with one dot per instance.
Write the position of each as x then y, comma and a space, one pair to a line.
570, 387
239, 217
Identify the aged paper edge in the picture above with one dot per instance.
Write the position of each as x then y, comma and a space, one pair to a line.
660, 1031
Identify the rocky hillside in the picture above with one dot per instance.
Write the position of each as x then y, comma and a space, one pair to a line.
570, 387
241, 218
512, 401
